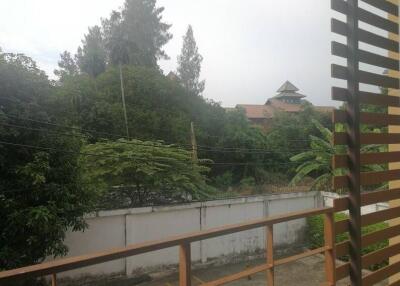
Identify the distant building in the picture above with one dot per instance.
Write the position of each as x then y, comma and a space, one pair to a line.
287, 100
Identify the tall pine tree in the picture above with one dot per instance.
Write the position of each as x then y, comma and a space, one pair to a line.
136, 34
91, 57
189, 64
67, 66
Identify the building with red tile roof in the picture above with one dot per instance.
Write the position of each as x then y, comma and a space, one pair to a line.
287, 100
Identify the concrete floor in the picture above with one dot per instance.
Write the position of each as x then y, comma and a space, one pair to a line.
306, 272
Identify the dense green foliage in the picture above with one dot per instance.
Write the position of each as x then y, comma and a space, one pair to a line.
290, 135
41, 194
144, 172
315, 235
318, 160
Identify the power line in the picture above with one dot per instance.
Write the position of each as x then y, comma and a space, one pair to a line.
112, 156
203, 148
90, 131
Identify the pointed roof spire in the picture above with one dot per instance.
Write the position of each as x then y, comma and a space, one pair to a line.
288, 90
288, 87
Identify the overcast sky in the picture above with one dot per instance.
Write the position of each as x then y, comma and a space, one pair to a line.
249, 47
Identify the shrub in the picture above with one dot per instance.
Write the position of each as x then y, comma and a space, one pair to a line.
224, 181
315, 236
247, 182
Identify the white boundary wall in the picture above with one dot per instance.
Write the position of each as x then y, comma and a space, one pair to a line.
117, 228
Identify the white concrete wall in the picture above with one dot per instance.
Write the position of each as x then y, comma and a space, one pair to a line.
116, 228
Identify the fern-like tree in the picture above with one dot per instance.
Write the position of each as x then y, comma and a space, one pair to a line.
144, 172
317, 160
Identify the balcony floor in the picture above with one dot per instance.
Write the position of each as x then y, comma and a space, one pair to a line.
306, 272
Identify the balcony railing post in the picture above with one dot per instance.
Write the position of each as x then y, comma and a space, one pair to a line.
270, 254
184, 265
329, 235
53, 279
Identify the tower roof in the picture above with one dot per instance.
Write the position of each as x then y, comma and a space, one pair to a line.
288, 87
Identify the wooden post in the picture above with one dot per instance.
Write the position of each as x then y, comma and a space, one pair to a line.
270, 254
329, 234
184, 265
123, 100
354, 144
53, 279
194, 144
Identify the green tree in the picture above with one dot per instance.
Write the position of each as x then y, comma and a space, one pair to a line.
290, 133
91, 58
136, 34
189, 64
317, 161
41, 190
67, 66
144, 172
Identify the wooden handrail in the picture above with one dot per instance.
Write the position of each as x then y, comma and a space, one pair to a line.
183, 241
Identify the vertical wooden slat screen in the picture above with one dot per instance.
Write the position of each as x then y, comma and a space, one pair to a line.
352, 117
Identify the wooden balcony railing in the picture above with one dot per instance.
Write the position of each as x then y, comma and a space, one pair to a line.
184, 243
377, 256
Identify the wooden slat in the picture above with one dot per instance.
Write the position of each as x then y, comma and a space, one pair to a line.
340, 138
370, 118
380, 216
342, 271
61, 265
368, 198
367, 219
384, 6
367, 17
381, 274
367, 37
370, 259
340, 72
341, 226
341, 94
342, 161
368, 178
380, 255
341, 204
396, 283
369, 239
340, 50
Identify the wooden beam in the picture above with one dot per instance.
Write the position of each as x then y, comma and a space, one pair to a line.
341, 94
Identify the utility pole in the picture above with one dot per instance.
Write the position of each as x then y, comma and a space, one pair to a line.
194, 144
123, 100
